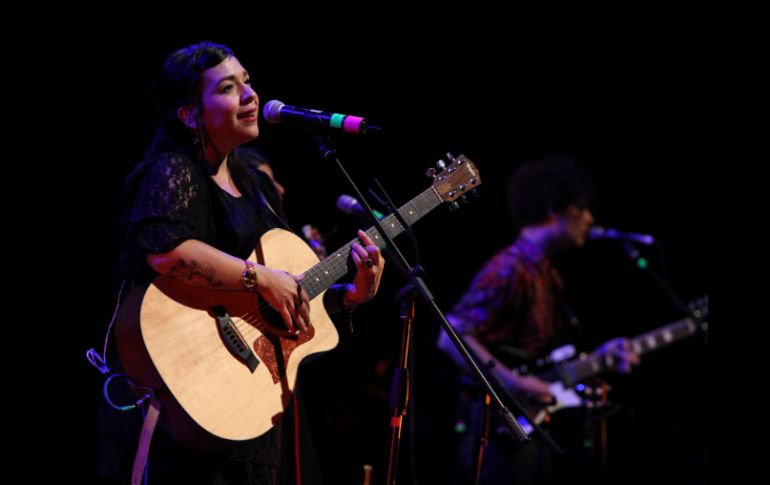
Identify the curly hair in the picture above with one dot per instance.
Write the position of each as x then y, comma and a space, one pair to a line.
544, 186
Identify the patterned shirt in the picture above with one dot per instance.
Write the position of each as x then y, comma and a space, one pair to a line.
514, 304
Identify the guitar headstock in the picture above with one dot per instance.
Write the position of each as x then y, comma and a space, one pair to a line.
455, 179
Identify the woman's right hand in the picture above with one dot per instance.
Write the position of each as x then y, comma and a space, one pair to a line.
284, 293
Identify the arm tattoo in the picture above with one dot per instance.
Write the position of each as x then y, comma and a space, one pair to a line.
196, 274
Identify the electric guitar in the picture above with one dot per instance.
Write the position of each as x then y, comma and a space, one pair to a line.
223, 363
565, 376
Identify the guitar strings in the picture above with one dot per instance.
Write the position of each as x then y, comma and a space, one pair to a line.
335, 264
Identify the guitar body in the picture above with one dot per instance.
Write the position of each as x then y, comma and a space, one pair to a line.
564, 376
563, 396
222, 362
169, 339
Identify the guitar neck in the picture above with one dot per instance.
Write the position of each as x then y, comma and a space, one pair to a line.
321, 276
592, 364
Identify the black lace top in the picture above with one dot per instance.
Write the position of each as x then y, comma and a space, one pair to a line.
176, 199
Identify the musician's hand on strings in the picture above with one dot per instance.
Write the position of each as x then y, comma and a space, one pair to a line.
369, 265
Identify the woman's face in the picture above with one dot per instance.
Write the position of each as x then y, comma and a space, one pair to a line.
230, 105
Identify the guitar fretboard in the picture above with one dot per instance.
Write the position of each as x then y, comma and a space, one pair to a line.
592, 364
337, 264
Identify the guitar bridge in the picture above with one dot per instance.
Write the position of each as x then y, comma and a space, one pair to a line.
233, 339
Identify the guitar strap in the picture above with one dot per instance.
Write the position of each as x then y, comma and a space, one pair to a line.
264, 200
143, 449
297, 455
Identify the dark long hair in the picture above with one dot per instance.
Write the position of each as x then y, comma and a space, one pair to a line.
179, 84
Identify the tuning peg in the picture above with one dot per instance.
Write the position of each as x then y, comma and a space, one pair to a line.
441, 164
475, 193
453, 206
451, 157
465, 199
431, 172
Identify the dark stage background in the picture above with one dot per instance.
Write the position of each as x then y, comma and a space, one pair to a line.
621, 103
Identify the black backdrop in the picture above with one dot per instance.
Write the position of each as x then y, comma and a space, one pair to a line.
621, 101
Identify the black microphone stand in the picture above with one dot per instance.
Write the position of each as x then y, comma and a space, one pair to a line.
420, 288
635, 256
400, 385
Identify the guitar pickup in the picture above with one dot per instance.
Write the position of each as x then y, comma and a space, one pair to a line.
233, 339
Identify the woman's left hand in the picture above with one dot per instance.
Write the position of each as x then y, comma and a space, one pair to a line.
369, 264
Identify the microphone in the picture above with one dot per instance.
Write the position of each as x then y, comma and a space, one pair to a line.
599, 232
277, 112
350, 205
